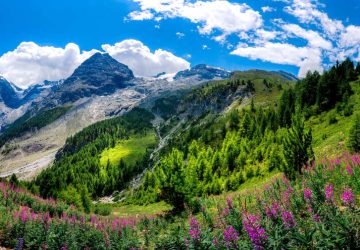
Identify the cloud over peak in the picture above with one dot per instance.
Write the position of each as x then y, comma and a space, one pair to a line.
31, 63
142, 61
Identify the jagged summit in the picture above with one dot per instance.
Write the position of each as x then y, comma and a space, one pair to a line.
100, 75
100, 68
203, 72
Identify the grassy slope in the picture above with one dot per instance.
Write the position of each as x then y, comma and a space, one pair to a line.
263, 96
140, 211
129, 150
330, 140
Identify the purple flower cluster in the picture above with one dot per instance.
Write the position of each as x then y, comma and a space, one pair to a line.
307, 194
349, 170
194, 230
272, 213
355, 160
348, 197
329, 193
230, 237
256, 232
288, 219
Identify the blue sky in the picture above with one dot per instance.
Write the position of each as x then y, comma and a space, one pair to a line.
48, 39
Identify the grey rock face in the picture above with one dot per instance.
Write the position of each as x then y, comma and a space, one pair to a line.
99, 75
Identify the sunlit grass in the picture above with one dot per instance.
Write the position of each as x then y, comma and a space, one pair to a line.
139, 211
330, 140
129, 150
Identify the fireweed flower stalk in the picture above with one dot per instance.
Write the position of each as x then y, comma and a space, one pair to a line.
288, 219
349, 170
348, 198
329, 194
307, 194
230, 237
194, 230
355, 160
255, 231
229, 202
272, 213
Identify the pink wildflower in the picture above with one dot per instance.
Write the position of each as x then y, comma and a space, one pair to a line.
288, 219
348, 197
24, 216
256, 232
230, 237
225, 212
307, 194
194, 230
355, 160
349, 170
33, 216
215, 241
329, 193
337, 161
229, 202
46, 218
115, 224
316, 218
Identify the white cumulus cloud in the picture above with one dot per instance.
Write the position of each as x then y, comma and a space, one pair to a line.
220, 15
30, 63
315, 39
306, 58
307, 11
142, 61
350, 37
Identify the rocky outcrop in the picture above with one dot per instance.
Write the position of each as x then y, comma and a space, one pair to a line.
98, 75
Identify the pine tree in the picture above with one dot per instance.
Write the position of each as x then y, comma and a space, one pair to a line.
173, 187
354, 138
14, 180
297, 146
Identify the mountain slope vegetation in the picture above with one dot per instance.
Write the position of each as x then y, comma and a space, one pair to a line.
225, 151
78, 169
242, 162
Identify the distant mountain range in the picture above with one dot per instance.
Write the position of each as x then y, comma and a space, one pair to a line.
100, 75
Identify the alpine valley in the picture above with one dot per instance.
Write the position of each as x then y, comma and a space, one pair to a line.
201, 159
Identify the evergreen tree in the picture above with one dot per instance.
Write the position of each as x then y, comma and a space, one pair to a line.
14, 180
297, 146
85, 199
250, 86
173, 187
307, 89
286, 107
